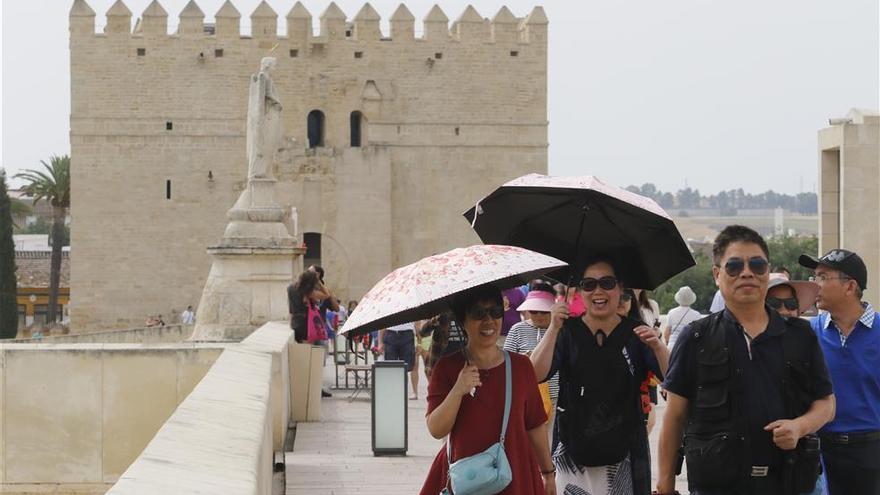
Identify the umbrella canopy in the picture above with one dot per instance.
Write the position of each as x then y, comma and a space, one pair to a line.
572, 218
425, 288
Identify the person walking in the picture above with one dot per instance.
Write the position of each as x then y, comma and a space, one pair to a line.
746, 388
849, 334
188, 317
680, 316
524, 336
789, 298
398, 343
466, 402
601, 359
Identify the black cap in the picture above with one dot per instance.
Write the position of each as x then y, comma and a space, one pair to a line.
846, 262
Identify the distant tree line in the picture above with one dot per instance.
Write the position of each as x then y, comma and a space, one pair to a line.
730, 201
784, 252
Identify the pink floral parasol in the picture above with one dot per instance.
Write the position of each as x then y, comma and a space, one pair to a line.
423, 289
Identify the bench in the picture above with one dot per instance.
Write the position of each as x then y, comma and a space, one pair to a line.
357, 369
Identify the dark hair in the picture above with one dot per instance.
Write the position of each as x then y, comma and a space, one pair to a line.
320, 271
463, 301
541, 286
643, 299
634, 312
306, 283
594, 259
736, 233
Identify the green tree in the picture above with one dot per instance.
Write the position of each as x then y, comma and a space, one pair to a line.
784, 251
19, 208
8, 285
698, 278
53, 186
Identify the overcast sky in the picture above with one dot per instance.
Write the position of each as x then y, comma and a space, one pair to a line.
712, 94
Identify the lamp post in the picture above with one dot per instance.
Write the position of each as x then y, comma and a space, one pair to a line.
389, 407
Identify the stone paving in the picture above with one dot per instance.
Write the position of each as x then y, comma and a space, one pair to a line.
334, 456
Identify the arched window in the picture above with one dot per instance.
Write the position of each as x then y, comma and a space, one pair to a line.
312, 256
316, 128
356, 120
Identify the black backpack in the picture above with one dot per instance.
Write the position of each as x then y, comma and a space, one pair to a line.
598, 395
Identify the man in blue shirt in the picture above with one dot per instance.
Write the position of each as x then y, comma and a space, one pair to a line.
849, 334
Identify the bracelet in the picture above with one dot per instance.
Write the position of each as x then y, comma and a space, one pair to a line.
548, 473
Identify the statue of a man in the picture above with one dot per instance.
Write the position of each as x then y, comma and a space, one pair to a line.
263, 122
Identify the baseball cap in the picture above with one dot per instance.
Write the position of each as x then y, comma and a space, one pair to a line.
846, 262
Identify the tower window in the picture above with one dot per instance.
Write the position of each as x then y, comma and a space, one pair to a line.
456, 131
438, 55
141, 52
169, 126
168, 189
316, 128
358, 54
294, 53
356, 120
312, 256
218, 52
514, 53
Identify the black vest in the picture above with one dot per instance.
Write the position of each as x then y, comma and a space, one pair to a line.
716, 440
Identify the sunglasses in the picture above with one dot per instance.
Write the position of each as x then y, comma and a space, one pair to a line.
481, 312
590, 284
790, 304
757, 265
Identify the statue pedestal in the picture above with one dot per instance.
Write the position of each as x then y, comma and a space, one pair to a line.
252, 267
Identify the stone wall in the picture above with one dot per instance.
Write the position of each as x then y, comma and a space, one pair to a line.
849, 181
143, 335
447, 117
73, 417
194, 452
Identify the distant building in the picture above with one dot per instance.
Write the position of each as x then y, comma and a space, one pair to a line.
32, 261
849, 186
389, 136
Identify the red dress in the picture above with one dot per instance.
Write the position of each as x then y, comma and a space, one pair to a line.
478, 424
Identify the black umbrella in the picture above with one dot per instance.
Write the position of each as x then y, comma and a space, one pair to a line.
573, 218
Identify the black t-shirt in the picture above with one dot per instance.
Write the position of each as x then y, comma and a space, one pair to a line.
638, 356
762, 374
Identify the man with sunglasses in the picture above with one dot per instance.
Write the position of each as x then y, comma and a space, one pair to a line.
745, 387
849, 334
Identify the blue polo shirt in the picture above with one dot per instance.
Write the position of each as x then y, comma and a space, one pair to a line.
854, 365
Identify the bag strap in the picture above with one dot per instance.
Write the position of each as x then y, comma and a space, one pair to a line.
508, 392
508, 385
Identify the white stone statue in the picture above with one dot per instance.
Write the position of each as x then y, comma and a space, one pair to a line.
263, 122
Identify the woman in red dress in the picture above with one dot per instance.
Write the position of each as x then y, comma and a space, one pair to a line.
466, 401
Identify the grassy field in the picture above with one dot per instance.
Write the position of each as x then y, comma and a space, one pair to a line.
708, 227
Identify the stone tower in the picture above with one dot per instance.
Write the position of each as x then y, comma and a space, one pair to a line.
387, 140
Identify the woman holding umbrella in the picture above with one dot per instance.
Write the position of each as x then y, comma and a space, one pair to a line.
601, 359
466, 397
483, 399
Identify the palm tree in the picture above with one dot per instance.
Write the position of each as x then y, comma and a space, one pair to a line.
52, 186
19, 208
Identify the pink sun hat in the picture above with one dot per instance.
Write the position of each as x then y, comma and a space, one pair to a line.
537, 300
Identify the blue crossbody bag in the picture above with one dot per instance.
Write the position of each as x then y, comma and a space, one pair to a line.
488, 472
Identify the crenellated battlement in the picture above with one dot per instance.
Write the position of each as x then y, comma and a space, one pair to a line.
470, 26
